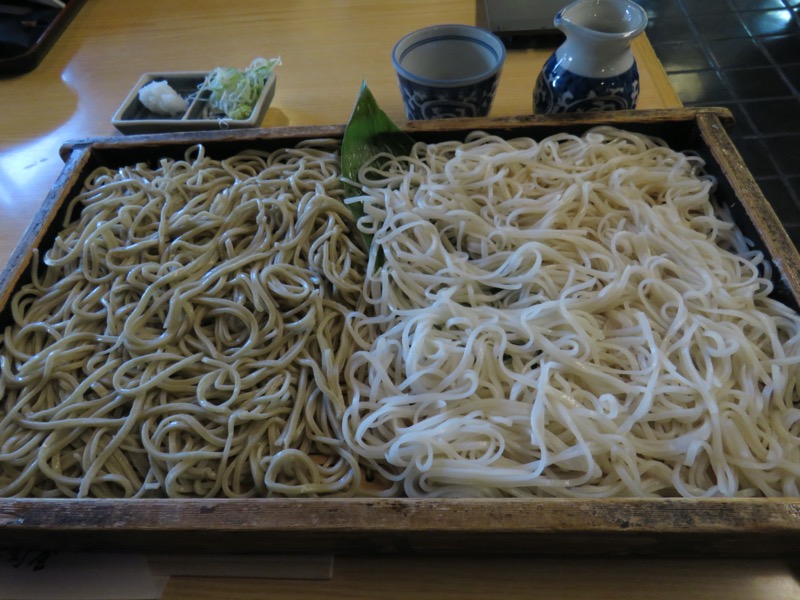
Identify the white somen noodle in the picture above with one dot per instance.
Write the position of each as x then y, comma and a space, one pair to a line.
569, 317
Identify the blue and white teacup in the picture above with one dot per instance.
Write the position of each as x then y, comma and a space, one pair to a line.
448, 71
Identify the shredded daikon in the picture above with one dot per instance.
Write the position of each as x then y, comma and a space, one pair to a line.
159, 97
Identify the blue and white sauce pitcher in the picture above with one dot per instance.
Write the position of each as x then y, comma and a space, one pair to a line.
594, 68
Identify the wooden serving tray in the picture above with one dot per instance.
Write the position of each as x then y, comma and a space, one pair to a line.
664, 527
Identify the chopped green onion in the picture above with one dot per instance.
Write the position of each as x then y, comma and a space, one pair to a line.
236, 92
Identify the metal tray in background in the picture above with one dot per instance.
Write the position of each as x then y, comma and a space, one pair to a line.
29, 59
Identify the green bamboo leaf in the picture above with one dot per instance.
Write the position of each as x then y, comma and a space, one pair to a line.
370, 131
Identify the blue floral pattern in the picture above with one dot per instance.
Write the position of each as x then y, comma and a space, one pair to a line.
424, 102
558, 90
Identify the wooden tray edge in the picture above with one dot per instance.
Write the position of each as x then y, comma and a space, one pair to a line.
337, 130
21, 256
757, 207
658, 527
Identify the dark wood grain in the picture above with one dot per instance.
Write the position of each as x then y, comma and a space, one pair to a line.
707, 527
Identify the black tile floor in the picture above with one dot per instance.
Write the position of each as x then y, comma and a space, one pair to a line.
745, 55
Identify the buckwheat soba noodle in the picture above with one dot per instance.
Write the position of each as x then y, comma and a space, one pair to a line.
563, 317
188, 335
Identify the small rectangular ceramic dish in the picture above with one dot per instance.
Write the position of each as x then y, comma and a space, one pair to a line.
133, 118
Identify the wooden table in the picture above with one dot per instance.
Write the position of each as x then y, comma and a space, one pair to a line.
327, 48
